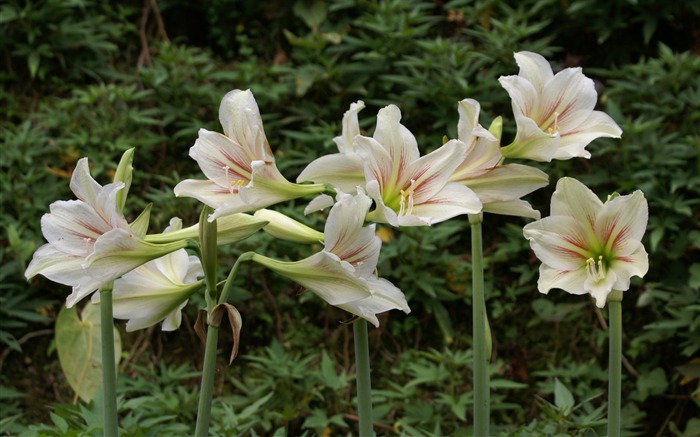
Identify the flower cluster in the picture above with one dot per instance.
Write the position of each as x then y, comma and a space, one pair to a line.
586, 246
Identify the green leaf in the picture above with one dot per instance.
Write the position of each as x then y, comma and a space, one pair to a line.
313, 13
652, 383
33, 63
78, 342
563, 398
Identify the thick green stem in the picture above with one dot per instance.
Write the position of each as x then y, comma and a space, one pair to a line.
364, 385
209, 366
479, 327
207, 385
109, 368
615, 366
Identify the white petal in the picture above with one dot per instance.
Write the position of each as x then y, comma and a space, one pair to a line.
559, 241
222, 161
381, 213
601, 288
385, 297
622, 222
206, 192
453, 200
323, 274
516, 207
573, 199
377, 162
431, 172
343, 171
567, 99
506, 182
72, 226
482, 154
322, 201
351, 128
523, 95
82, 184
570, 281
634, 264
56, 265
397, 140
598, 124
534, 68
240, 117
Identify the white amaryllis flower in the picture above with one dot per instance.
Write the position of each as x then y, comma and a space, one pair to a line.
587, 246
158, 290
499, 187
90, 242
410, 190
554, 113
240, 167
343, 170
343, 274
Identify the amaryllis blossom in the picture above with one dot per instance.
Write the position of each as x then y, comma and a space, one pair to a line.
587, 246
499, 187
410, 190
343, 170
90, 242
240, 167
554, 113
343, 273
158, 290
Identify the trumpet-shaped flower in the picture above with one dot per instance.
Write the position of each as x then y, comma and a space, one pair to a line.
158, 290
343, 170
410, 190
499, 187
587, 246
90, 242
554, 112
240, 167
343, 273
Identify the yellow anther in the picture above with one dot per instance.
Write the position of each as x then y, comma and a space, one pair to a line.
596, 271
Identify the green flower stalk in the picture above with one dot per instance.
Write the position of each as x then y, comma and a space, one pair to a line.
480, 334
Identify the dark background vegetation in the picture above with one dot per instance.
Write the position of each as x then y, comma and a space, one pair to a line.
92, 78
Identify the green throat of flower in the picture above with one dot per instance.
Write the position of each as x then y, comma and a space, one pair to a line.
404, 201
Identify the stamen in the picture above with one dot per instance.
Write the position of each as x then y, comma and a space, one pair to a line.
87, 241
235, 186
406, 202
595, 271
556, 124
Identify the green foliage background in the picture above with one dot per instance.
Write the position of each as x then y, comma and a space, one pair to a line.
91, 78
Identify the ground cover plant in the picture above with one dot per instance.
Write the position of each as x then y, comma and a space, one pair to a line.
93, 79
